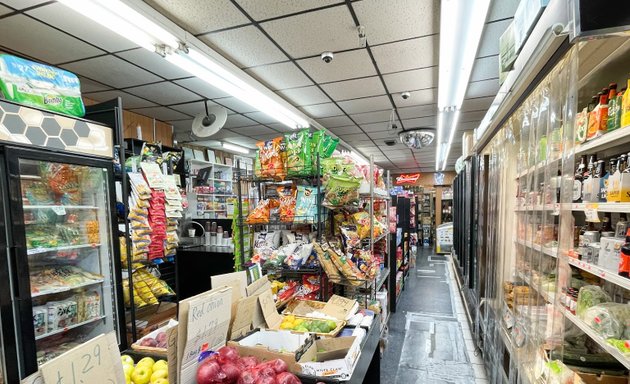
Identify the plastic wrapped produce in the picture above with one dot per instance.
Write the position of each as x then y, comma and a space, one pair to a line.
610, 320
589, 296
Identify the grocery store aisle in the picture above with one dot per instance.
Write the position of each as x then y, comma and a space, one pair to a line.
429, 337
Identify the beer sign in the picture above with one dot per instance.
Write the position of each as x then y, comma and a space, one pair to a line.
407, 178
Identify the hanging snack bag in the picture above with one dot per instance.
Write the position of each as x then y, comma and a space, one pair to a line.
287, 197
316, 140
257, 170
306, 202
298, 152
327, 146
271, 154
341, 192
260, 214
350, 236
323, 255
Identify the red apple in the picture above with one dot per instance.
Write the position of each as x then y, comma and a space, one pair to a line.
148, 342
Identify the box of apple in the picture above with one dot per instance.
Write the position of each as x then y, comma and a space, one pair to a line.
146, 371
227, 367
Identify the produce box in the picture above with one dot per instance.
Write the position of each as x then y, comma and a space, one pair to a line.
272, 344
156, 342
332, 358
274, 320
337, 307
590, 378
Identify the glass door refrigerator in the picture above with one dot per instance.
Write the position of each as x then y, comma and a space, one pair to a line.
60, 223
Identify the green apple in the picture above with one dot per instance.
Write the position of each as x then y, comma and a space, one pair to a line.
160, 364
126, 359
146, 361
128, 369
159, 374
160, 381
141, 375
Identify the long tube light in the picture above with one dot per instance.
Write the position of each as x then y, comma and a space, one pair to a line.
132, 25
235, 148
450, 139
439, 139
358, 158
461, 26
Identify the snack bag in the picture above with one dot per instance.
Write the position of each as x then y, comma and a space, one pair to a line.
323, 255
341, 192
260, 214
40, 314
306, 202
271, 154
298, 152
350, 236
288, 196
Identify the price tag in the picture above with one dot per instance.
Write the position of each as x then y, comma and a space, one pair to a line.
90, 362
59, 210
591, 214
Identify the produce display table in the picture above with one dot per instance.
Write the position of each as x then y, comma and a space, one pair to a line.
368, 368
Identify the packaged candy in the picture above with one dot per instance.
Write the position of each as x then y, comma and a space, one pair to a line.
298, 153
306, 203
271, 155
40, 314
287, 197
341, 192
260, 214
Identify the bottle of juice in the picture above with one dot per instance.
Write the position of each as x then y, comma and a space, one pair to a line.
625, 107
612, 98
618, 106
593, 119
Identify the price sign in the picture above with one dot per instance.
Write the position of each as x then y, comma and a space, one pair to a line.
35, 378
90, 362
591, 214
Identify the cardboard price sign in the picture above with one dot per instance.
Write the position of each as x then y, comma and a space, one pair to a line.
91, 362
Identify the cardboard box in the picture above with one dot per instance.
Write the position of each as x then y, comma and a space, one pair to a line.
337, 307
609, 253
275, 344
162, 352
332, 358
273, 319
590, 378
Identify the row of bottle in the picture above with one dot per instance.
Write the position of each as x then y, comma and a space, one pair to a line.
600, 183
607, 111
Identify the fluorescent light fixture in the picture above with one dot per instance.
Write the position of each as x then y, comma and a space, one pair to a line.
235, 148
124, 20
439, 139
461, 26
214, 74
450, 139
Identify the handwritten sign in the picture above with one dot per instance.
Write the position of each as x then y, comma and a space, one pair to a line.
243, 315
591, 214
269, 311
91, 362
171, 353
204, 323
339, 307
35, 378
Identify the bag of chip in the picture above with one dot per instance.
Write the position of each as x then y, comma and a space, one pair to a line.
341, 192
271, 154
298, 152
306, 203
327, 146
287, 197
316, 140
350, 236
260, 214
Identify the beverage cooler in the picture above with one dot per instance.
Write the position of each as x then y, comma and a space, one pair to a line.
60, 220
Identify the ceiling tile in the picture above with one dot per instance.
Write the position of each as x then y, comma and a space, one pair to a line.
129, 101
480, 104
261, 10
485, 68
372, 117
335, 121
35, 39
421, 97
243, 141
245, 47
330, 29
368, 104
161, 113
153, 62
72, 22
202, 88
200, 16
112, 71
412, 80
471, 116
346, 65
88, 85
261, 117
235, 104
304, 95
489, 44
164, 93
265, 137
417, 111
5, 10
383, 135
421, 122
375, 127
280, 127
280, 76
254, 130
401, 19
22, 4
193, 108
352, 89
409, 54
353, 136
502, 9
482, 88
182, 125
345, 130
236, 121
322, 110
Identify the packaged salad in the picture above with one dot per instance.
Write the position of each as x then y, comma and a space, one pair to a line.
341, 192
298, 152
271, 155
287, 197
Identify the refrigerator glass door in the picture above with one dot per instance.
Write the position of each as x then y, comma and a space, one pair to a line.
69, 248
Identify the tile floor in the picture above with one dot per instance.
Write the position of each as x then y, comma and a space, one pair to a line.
429, 338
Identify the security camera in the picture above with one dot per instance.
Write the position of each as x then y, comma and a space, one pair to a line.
327, 57
405, 95
390, 143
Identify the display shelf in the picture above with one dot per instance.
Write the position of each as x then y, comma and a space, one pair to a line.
381, 237
613, 139
549, 251
554, 208
53, 206
199, 161
601, 207
382, 278
36, 251
66, 289
537, 167
548, 296
600, 272
66, 329
215, 194
617, 354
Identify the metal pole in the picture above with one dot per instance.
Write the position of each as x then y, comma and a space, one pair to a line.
239, 223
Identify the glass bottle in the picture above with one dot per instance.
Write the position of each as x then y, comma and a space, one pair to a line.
587, 184
624, 260
578, 178
612, 101
621, 227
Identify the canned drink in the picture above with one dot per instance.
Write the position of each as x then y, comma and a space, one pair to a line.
591, 237
608, 234
594, 249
